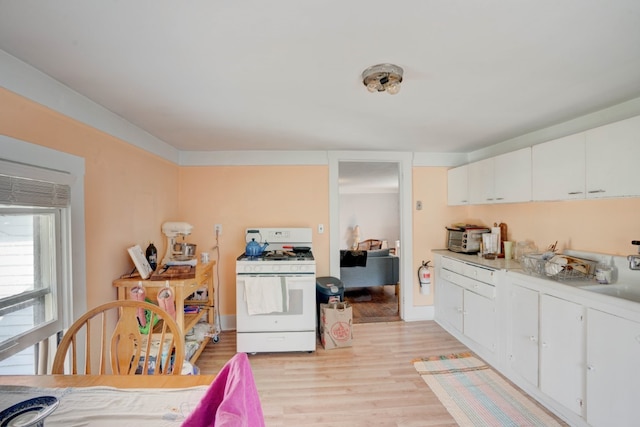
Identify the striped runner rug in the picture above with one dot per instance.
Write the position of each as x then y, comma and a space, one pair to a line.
475, 395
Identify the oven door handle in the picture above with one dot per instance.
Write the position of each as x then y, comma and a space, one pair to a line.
277, 275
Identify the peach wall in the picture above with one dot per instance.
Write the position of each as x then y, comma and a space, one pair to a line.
430, 187
239, 197
605, 225
128, 192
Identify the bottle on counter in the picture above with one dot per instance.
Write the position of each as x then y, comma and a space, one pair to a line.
152, 256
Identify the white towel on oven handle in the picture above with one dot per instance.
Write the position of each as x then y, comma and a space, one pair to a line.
265, 295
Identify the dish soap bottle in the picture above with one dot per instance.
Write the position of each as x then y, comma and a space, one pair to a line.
152, 256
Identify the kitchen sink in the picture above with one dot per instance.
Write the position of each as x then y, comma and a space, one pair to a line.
618, 290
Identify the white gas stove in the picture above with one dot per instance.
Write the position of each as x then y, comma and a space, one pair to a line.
275, 292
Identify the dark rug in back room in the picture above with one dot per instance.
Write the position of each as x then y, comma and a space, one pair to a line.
357, 295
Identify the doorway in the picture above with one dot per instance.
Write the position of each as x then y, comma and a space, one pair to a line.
369, 207
408, 311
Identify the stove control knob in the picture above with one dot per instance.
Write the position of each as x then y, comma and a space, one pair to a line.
257, 268
294, 268
275, 268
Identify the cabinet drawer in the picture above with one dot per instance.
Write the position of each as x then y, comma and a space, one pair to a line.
480, 288
453, 265
475, 272
479, 273
488, 291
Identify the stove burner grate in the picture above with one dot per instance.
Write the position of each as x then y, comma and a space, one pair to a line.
279, 256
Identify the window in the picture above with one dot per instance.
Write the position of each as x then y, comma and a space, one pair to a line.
34, 252
29, 309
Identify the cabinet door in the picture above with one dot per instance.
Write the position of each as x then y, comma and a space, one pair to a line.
481, 181
522, 332
612, 154
480, 320
559, 169
450, 307
513, 176
613, 377
458, 186
562, 351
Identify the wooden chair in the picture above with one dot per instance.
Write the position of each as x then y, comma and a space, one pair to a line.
123, 348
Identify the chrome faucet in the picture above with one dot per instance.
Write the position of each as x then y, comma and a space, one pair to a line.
634, 260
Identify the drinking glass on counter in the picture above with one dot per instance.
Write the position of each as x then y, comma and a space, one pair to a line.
490, 245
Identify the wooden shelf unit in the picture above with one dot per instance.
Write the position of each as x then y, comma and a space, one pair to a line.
182, 289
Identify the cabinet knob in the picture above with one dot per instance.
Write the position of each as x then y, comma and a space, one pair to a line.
591, 368
532, 338
544, 344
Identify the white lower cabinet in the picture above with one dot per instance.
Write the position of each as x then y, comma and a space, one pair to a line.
450, 305
613, 377
469, 313
562, 351
522, 333
480, 320
575, 353
466, 306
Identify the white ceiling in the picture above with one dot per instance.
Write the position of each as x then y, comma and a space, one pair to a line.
285, 74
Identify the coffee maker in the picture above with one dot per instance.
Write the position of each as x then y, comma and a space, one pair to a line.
178, 252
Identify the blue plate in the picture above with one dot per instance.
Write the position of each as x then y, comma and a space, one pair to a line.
29, 413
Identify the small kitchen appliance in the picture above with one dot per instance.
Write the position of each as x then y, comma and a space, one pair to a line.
466, 238
254, 248
178, 252
276, 292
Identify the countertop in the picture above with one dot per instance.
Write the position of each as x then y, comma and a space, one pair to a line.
496, 264
570, 289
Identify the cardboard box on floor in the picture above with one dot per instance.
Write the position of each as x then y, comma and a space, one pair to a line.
336, 325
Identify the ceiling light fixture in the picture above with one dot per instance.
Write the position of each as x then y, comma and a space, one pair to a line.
383, 77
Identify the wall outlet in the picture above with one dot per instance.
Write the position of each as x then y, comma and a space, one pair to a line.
218, 229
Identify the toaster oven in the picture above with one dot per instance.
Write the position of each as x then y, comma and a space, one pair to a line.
465, 240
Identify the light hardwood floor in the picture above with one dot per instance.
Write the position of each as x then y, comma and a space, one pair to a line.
372, 383
373, 304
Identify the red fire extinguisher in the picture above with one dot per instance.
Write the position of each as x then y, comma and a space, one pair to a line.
424, 277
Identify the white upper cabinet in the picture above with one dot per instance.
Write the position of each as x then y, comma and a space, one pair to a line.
502, 179
458, 186
481, 182
597, 163
612, 155
558, 169
512, 176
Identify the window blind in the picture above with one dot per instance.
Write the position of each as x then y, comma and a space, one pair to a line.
16, 191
